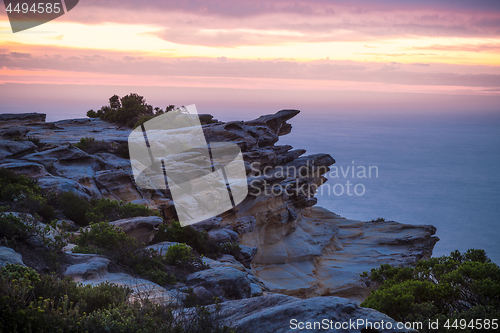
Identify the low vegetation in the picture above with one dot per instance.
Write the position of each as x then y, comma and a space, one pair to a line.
92, 146
173, 232
458, 289
34, 303
379, 219
22, 194
83, 211
130, 110
104, 238
33, 139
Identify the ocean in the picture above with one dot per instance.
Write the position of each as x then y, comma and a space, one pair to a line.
424, 170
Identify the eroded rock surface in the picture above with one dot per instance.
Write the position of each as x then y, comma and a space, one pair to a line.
142, 228
327, 253
281, 313
93, 269
9, 256
295, 248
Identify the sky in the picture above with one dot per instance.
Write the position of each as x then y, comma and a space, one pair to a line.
244, 58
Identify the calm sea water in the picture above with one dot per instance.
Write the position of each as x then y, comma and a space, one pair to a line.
430, 171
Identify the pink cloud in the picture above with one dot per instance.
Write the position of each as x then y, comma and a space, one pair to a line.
121, 64
184, 21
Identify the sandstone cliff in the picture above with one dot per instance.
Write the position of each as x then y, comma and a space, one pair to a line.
290, 246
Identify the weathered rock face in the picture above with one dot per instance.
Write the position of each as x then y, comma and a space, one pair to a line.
141, 228
301, 250
280, 313
9, 256
93, 269
326, 254
227, 279
22, 118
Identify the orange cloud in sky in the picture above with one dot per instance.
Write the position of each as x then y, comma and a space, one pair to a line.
423, 47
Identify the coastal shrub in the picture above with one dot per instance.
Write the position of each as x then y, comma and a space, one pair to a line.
92, 146
88, 297
130, 110
179, 254
379, 219
142, 120
22, 194
33, 139
36, 303
13, 228
173, 232
232, 248
455, 287
150, 264
110, 210
83, 211
121, 149
105, 237
199, 241
150, 317
74, 207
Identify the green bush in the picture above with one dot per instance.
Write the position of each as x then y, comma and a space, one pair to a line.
106, 237
232, 248
13, 228
150, 264
92, 146
23, 194
179, 254
130, 110
121, 149
33, 303
459, 286
199, 241
83, 211
150, 317
74, 207
379, 219
173, 232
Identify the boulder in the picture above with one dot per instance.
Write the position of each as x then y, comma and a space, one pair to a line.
142, 228
11, 148
203, 296
29, 169
14, 132
223, 235
207, 224
93, 270
92, 267
9, 256
225, 282
279, 314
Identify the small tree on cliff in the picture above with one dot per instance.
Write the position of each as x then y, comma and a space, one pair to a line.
130, 110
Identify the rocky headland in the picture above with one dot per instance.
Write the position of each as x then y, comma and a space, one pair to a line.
296, 258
